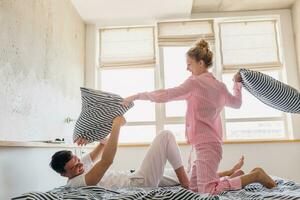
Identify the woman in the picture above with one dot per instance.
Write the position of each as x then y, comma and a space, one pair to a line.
206, 97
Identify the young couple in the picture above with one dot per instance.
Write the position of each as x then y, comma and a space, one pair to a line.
205, 97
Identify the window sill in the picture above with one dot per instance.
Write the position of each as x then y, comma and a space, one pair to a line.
225, 142
64, 145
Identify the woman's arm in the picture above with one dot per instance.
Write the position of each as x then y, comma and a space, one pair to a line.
164, 95
235, 100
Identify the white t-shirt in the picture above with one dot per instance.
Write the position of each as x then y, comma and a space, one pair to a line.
109, 180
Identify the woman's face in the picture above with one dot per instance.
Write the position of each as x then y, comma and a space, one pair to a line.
196, 68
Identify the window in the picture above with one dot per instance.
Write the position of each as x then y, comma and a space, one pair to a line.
127, 59
254, 45
254, 120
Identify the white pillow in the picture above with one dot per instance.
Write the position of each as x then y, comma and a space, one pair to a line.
98, 111
271, 91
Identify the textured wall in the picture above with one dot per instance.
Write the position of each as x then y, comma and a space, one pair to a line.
296, 20
42, 45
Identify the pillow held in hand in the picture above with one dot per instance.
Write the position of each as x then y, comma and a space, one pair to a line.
271, 91
98, 111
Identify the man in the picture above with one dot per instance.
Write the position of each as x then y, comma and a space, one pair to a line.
93, 168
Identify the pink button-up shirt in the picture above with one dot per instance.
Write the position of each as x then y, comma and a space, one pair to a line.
206, 97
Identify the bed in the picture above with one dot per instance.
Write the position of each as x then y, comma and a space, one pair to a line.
286, 189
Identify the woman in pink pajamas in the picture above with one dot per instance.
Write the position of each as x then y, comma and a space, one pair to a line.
206, 97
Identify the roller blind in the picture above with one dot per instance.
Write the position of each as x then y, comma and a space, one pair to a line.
133, 46
184, 32
249, 43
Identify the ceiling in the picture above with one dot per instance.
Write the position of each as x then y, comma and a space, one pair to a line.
239, 5
141, 12
131, 12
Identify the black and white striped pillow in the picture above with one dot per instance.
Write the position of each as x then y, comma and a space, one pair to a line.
271, 91
98, 111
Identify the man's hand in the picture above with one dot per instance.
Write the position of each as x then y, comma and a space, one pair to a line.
119, 121
81, 141
128, 100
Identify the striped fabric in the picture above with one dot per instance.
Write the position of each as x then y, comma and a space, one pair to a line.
285, 190
98, 111
271, 91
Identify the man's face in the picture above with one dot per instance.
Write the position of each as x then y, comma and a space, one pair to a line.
73, 167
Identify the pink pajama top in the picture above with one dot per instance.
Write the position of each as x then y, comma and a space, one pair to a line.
206, 97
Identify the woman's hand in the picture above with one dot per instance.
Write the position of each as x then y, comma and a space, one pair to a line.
237, 77
128, 100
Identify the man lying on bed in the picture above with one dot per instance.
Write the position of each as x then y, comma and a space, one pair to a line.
92, 169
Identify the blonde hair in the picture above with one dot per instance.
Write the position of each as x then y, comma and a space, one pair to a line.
201, 51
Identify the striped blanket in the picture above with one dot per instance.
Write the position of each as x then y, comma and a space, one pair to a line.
285, 190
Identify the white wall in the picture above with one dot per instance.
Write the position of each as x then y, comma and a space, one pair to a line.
91, 56
41, 68
296, 20
42, 51
26, 169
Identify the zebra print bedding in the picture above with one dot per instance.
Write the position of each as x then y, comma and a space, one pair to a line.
98, 111
271, 91
285, 190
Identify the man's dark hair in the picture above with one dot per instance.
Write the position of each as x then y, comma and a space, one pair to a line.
59, 160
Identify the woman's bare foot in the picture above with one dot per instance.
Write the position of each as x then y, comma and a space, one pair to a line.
239, 164
237, 173
263, 178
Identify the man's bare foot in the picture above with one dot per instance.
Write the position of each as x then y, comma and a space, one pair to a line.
263, 178
237, 173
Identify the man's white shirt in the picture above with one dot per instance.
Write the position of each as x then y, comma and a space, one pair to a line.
110, 179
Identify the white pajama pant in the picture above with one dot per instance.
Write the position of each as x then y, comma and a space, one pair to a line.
163, 148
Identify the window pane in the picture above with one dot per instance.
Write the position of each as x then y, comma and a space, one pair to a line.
137, 134
255, 130
178, 130
127, 82
176, 109
251, 106
175, 73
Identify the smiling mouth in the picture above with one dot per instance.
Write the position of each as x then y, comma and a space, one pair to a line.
81, 169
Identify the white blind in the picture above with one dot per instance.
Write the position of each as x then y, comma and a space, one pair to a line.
184, 32
249, 43
133, 46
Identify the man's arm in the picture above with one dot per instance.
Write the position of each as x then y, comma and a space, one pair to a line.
99, 169
96, 153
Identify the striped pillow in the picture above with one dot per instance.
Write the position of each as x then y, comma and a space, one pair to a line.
271, 91
98, 111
